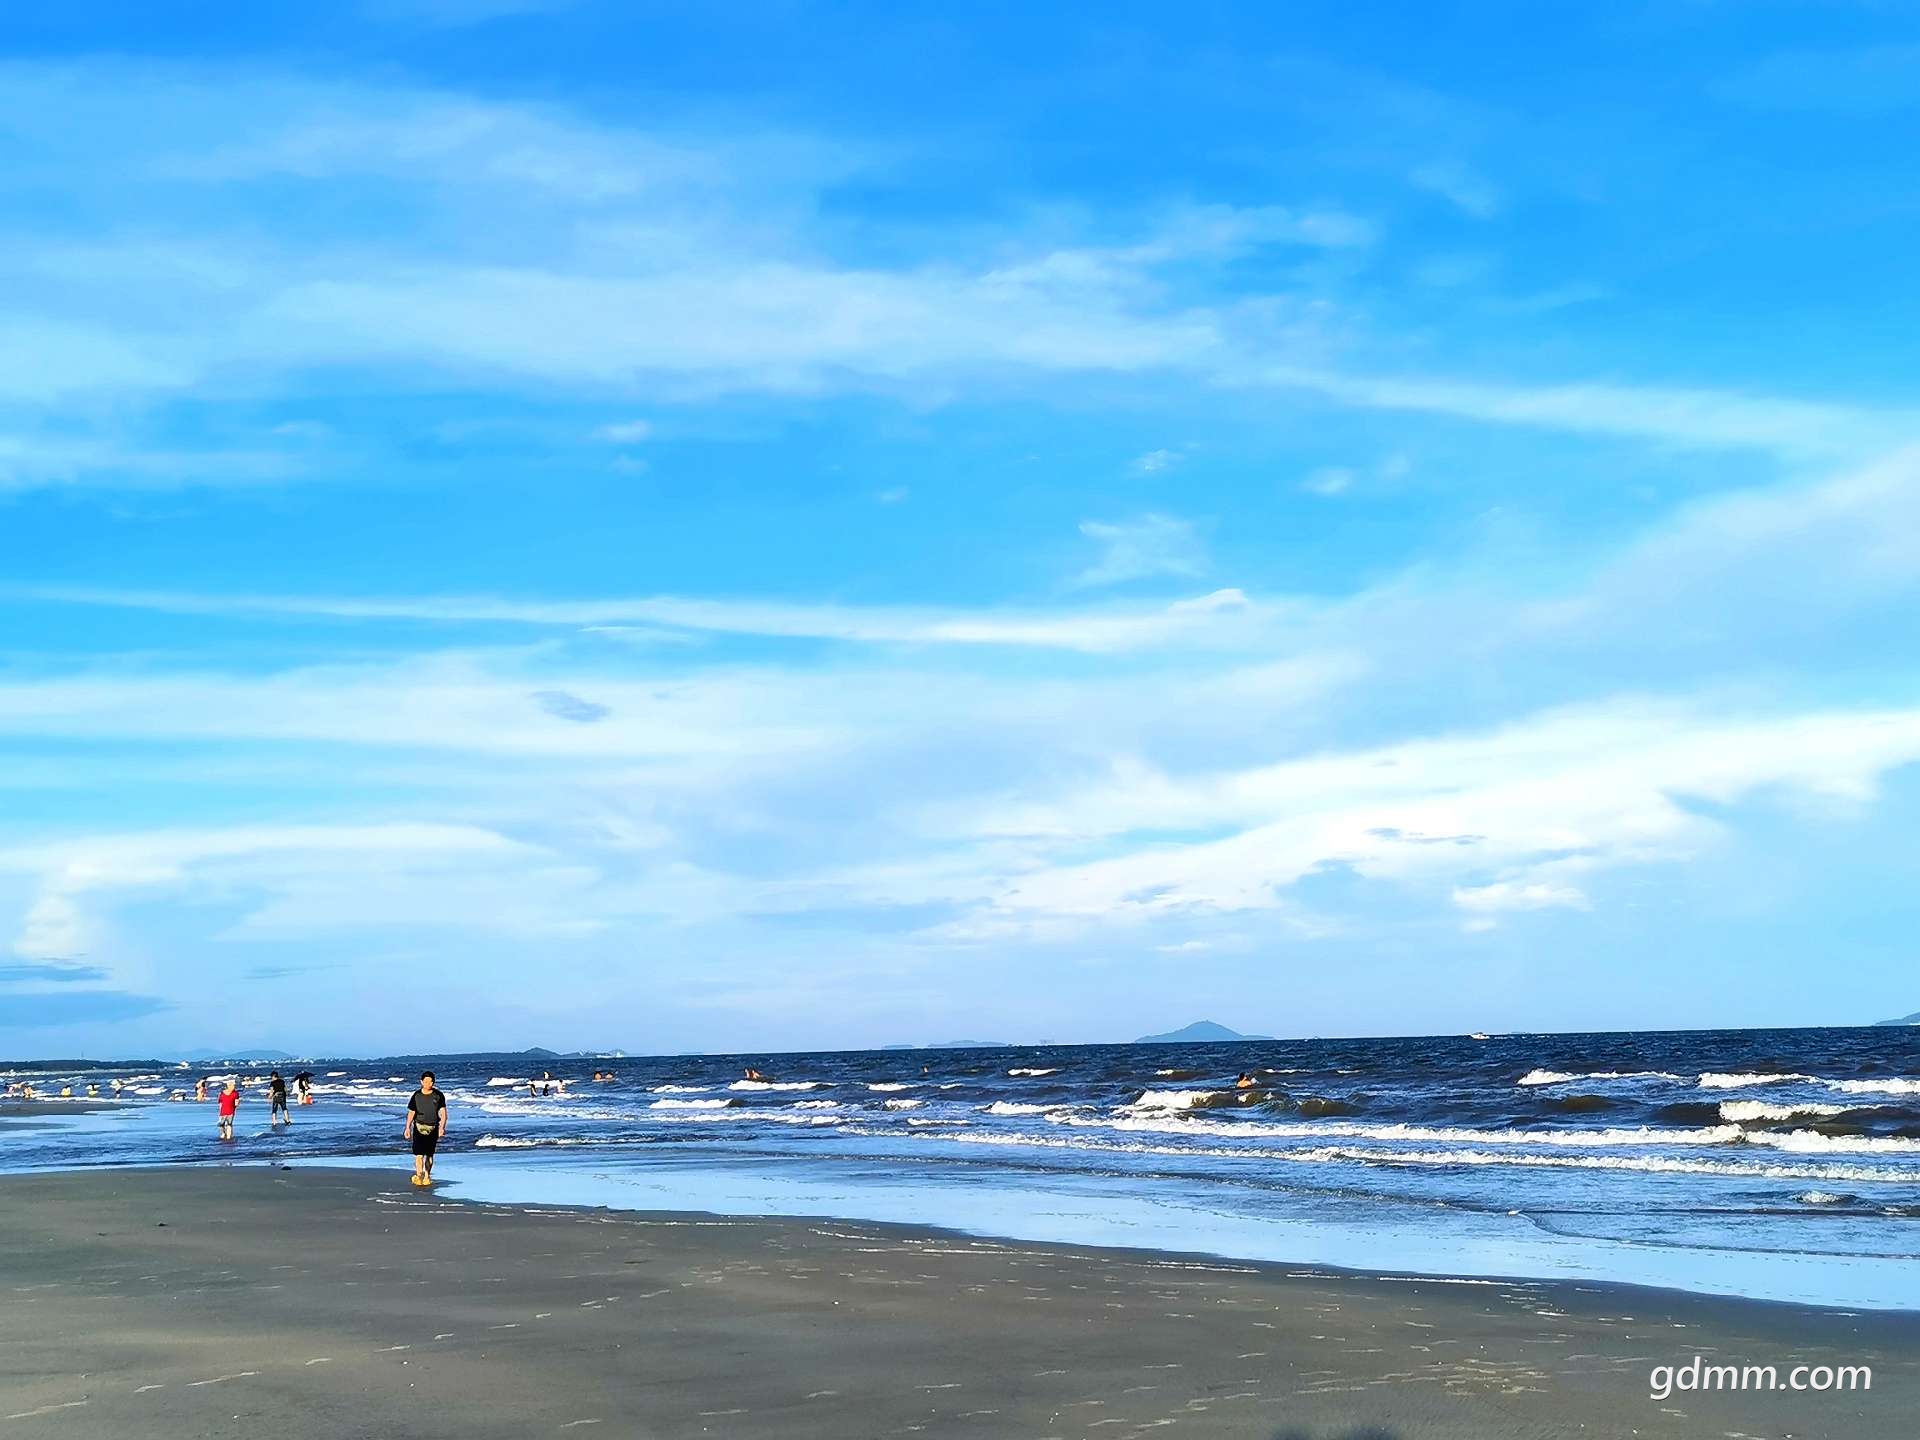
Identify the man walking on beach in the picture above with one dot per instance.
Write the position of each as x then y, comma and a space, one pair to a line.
426, 1123
277, 1093
229, 1103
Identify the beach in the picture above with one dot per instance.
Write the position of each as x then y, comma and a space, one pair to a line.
316, 1301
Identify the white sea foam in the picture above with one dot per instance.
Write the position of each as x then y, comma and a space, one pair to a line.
1742, 1110
776, 1117
1572, 1138
890, 1085
1354, 1154
1742, 1080
1014, 1107
1812, 1142
1821, 1197
1562, 1077
681, 1089
691, 1104
902, 1104
1892, 1085
776, 1085
1171, 1099
507, 1080
529, 1142
1028, 1070
816, 1104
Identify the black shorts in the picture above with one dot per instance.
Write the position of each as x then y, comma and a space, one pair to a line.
424, 1141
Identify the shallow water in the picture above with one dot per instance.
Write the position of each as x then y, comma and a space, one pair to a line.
1778, 1164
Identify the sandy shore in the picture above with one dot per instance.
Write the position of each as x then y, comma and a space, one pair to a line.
314, 1302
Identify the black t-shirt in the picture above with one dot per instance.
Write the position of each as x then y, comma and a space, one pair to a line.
427, 1109
277, 1090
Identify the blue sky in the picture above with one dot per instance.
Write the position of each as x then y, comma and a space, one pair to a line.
623, 525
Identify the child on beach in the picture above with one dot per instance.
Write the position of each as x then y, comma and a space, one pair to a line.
229, 1103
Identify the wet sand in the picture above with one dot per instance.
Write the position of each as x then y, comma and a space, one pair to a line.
218, 1301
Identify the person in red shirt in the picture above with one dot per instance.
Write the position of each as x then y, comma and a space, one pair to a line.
229, 1103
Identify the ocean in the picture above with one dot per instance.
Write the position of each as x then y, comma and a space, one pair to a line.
1778, 1164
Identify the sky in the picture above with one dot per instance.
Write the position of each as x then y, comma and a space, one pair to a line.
743, 528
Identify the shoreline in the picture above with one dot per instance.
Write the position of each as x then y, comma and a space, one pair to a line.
217, 1300
509, 1184
448, 1187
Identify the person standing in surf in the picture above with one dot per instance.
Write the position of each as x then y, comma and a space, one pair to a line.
277, 1113
426, 1123
229, 1104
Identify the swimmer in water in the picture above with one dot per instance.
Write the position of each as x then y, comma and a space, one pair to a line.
1245, 1082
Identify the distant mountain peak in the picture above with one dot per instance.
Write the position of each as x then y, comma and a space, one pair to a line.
1199, 1032
1913, 1019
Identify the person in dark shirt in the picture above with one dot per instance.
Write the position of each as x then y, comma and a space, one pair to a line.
277, 1093
426, 1123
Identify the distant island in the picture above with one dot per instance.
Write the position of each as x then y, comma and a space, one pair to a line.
1200, 1032
957, 1045
1913, 1019
257, 1053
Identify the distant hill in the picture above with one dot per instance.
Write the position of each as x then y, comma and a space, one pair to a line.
1200, 1032
1913, 1019
957, 1045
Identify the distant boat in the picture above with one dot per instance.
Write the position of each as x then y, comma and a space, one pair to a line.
1479, 1035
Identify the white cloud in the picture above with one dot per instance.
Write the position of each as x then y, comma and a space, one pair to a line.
1684, 417
1462, 187
1600, 783
625, 432
1154, 461
1328, 480
1221, 618
1142, 549
683, 263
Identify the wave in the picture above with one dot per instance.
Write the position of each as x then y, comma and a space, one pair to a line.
776, 1117
1744, 1110
890, 1085
691, 1104
1172, 1099
1822, 1197
777, 1084
499, 1080
1641, 1135
1354, 1154
529, 1142
1028, 1070
1748, 1080
680, 1089
902, 1104
1014, 1107
1812, 1142
1562, 1077
816, 1104
1889, 1086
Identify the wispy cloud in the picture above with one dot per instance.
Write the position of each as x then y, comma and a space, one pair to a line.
1163, 545
1682, 417
1150, 547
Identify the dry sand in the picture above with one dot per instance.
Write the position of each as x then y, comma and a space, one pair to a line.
257, 1302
